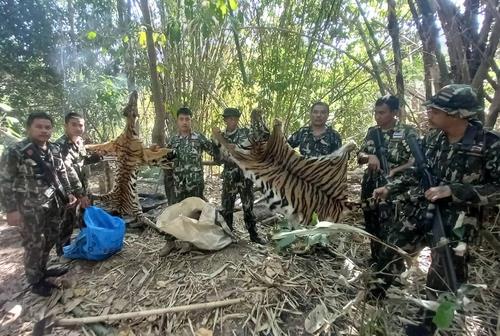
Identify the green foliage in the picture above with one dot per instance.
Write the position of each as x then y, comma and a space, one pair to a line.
444, 314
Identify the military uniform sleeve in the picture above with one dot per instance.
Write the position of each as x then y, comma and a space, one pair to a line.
364, 148
207, 145
71, 176
62, 173
336, 142
8, 172
294, 139
487, 193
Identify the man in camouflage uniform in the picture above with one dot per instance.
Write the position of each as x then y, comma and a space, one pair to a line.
391, 136
465, 160
234, 181
75, 157
188, 147
317, 139
34, 188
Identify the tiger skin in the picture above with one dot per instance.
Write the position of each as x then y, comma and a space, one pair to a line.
131, 154
293, 185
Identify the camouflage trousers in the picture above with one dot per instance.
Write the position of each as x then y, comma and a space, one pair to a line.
189, 184
40, 232
70, 220
376, 215
230, 188
168, 182
409, 234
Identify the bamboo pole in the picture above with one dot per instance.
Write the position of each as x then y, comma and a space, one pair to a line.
122, 316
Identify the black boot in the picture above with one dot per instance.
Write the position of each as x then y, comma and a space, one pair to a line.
254, 236
56, 271
43, 288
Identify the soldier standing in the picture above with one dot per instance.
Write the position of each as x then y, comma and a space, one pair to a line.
34, 188
387, 139
188, 147
317, 139
465, 161
75, 157
234, 181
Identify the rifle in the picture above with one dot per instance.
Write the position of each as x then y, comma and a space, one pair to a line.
381, 151
439, 240
47, 173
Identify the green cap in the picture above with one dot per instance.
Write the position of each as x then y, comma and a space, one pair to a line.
456, 100
231, 112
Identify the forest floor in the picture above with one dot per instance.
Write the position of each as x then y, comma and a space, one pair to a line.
321, 292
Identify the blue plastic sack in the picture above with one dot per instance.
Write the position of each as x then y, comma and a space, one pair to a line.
101, 238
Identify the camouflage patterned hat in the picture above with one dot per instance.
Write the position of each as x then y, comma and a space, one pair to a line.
456, 100
231, 112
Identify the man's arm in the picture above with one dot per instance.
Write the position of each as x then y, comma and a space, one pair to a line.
487, 193
71, 174
294, 139
9, 163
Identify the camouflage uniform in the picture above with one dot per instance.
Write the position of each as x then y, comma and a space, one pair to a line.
470, 167
234, 182
188, 169
23, 188
398, 153
310, 145
75, 157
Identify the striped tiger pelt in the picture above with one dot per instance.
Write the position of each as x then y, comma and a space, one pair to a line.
131, 154
292, 184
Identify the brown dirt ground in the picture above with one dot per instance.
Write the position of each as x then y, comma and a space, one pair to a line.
281, 290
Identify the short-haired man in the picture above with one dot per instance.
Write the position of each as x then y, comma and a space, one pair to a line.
317, 139
234, 181
188, 147
34, 188
390, 136
75, 157
465, 161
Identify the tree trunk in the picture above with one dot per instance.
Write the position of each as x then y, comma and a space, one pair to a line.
376, 69
432, 41
427, 57
158, 136
124, 27
494, 110
393, 28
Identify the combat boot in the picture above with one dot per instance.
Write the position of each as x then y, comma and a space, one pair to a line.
43, 288
56, 271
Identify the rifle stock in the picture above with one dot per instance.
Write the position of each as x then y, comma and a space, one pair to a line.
439, 241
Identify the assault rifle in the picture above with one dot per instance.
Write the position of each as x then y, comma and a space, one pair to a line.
439, 241
381, 152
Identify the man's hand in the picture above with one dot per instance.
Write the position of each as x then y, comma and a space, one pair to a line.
435, 193
380, 193
71, 200
85, 202
14, 218
373, 163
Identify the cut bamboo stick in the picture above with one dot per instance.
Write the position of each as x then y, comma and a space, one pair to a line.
122, 316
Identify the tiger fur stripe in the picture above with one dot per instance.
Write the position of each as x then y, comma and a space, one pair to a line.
299, 185
131, 154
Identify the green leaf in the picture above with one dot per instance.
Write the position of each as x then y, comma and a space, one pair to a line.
161, 68
233, 4
221, 5
314, 219
444, 314
161, 39
142, 39
91, 35
125, 39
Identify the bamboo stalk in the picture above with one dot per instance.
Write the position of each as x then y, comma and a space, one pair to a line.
122, 316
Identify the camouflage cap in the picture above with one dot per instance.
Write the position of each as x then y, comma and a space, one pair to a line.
231, 112
456, 100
